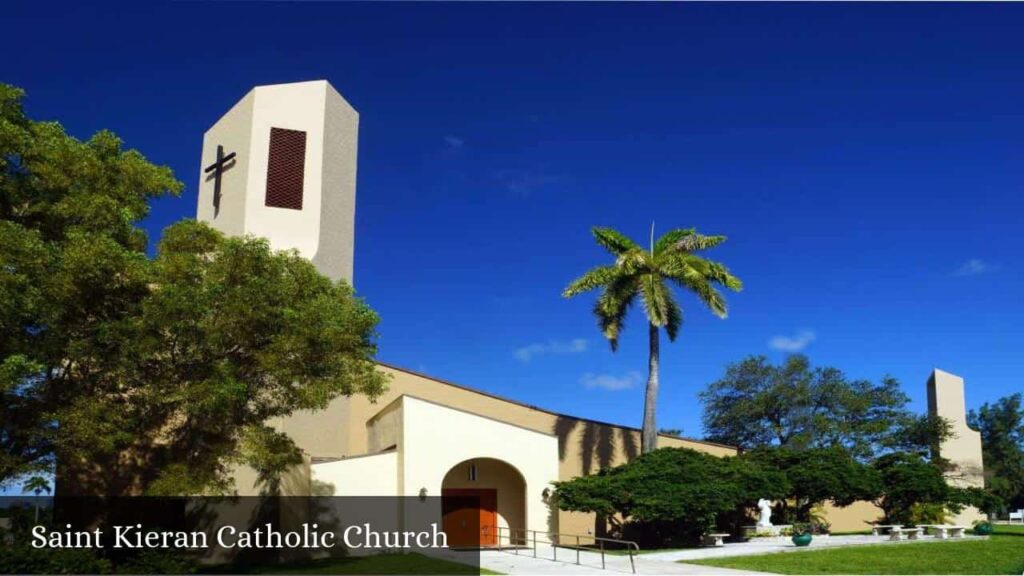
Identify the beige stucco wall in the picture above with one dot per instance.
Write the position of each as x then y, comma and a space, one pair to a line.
384, 430
429, 451
233, 132
372, 475
318, 433
856, 517
336, 244
297, 106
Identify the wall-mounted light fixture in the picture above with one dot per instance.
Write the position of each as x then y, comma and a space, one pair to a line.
545, 494
423, 494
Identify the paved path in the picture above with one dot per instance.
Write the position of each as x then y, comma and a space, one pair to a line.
772, 545
670, 562
508, 562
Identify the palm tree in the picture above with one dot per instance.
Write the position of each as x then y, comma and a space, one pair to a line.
36, 485
645, 275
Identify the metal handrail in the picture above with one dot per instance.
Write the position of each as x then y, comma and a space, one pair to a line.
555, 539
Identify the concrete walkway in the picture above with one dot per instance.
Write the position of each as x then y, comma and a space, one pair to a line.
508, 562
772, 545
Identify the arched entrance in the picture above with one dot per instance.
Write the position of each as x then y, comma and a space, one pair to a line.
483, 503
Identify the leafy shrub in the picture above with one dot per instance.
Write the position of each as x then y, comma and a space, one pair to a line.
801, 528
983, 528
927, 513
156, 562
22, 559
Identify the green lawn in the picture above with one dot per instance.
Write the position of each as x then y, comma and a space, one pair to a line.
1002, 553
380, 564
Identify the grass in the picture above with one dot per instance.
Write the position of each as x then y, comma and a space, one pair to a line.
1009, 529
1002, 553
379, 564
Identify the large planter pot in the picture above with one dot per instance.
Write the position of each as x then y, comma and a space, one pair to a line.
983, 529
802, 539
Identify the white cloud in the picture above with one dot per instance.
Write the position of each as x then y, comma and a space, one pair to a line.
454, 141
574, 346
611, 382
792, 343
973, 267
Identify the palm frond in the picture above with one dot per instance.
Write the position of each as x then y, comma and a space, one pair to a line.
674, 321
614, 241
719, 274
710, 270
671, 238
613, 305
697, 242
702, 288
634, 262
656, 299
590, 280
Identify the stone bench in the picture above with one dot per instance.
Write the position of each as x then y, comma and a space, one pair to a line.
944, 531
876, 529
898, 533
715, 539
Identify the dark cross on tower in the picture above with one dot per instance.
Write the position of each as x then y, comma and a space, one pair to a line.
223, 163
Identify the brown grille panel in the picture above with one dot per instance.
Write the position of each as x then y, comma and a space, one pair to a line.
286, 167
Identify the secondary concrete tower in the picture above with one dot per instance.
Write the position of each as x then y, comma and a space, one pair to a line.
281, 164
963, 449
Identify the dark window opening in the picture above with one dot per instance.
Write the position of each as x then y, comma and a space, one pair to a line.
286, 168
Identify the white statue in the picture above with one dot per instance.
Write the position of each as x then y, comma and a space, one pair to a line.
765, 519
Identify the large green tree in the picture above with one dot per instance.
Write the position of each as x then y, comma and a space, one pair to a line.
1002, 439
796, 405
143, 375
647, 274
676, 491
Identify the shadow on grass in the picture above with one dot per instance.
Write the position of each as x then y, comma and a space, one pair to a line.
379, 564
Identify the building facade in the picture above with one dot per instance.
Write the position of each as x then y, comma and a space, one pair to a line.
281, 164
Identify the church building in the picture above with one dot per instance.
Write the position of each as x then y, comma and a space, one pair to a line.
281, 164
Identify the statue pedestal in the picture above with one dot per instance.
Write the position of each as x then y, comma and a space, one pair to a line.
762, 531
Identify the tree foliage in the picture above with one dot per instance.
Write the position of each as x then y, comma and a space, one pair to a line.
148, 375
671, 486
647, 275
1002, 438
798, 406
909, 483
817, 475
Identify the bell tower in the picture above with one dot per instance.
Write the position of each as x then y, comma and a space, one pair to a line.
281, 164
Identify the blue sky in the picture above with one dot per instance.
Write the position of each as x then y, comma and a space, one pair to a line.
865, 161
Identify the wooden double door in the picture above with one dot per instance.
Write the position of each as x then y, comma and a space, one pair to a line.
470, 517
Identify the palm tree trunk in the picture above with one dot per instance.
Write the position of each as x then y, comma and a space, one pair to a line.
649, 435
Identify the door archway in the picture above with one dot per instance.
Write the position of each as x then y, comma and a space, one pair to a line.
483, 503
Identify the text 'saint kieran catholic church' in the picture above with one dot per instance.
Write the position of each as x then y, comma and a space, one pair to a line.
281, 164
